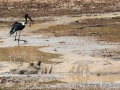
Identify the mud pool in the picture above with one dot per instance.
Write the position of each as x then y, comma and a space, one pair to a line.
69, 53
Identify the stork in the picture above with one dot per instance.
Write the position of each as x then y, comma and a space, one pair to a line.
19, 26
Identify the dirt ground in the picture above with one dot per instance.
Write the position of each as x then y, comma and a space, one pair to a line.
83, 49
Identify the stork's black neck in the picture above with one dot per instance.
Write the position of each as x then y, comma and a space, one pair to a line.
25, 20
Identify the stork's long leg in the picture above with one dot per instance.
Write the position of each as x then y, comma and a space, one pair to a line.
19, 37
15, 36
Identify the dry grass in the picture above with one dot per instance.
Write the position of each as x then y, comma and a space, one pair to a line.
1, 41
43, 20
103, 29
51, 82
26, 54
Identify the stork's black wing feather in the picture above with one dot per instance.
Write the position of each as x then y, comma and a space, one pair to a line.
15, 27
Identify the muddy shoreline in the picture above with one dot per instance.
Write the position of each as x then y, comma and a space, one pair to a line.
51, 82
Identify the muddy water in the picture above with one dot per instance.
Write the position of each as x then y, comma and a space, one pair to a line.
25, 54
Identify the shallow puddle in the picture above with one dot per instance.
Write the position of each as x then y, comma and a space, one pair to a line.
25, 54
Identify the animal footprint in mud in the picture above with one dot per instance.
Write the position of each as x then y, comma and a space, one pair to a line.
25, 41
55, 49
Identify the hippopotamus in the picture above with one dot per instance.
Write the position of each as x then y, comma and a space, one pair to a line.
33, 68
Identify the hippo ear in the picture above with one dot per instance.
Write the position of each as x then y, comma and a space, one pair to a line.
39, 63
31, 64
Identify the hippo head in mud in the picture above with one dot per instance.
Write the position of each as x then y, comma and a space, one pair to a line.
33, 68
29, 68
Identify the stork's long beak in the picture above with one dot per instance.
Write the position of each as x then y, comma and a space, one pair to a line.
30, 21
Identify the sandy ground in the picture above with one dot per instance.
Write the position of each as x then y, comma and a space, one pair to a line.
77, 53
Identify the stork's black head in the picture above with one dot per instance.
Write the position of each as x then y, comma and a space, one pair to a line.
26, 15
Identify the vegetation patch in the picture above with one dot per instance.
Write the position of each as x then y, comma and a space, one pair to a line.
26, 54
51, 82
104, 29
1, 41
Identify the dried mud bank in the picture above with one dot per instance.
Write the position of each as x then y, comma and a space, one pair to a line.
53, 82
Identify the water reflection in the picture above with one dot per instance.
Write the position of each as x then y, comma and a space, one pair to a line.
26, 54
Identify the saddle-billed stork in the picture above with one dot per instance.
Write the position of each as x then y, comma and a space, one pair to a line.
19, 26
